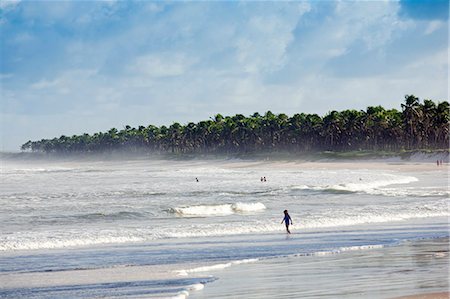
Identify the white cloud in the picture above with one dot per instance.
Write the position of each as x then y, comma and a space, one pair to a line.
66, 80
9, 4
373, 22
5, 7
44, 83
161, 65
154, 7
433, 26
262, 41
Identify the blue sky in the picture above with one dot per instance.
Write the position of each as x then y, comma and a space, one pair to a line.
70, 67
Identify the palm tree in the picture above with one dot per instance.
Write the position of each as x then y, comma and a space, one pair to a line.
441, 124
417, 125
411, 117
428, 113
332, 130
352, 126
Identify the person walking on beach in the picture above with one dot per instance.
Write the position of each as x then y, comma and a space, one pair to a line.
287, 219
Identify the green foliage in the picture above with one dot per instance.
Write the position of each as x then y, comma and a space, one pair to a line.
417, 126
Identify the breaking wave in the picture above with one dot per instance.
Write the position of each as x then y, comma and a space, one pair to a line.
218, 210
89, 237
375, 188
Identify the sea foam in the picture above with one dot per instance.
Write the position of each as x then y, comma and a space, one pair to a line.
218, 210
215, 267
361, 186
327, 219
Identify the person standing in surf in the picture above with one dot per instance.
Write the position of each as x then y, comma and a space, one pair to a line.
287, 219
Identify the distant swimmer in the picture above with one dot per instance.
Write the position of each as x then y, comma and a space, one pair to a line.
262, 179
265, 179
196, 179
287, 219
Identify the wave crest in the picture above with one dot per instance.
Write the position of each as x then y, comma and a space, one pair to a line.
218, 210
369, 187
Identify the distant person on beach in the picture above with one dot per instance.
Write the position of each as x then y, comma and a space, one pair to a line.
437, 162
287, 220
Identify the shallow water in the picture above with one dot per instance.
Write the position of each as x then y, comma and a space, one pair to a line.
148, 228
411, 267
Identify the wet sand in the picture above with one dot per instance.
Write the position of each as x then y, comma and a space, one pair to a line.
411, 268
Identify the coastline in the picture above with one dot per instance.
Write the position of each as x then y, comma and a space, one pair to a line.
415, 162
415, 156
334, 165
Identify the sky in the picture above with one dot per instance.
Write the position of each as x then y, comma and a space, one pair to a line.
74, 67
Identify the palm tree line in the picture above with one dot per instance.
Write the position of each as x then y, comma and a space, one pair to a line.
417, 126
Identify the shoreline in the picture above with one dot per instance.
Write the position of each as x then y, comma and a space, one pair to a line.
392, 164
356, 274
365, 164
401, 156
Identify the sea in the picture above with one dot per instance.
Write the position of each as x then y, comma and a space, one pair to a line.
149, 228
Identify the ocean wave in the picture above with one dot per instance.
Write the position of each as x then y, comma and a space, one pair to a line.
24, 241
218, 210
229, 193
110, 216
24, 171
342, 250
82, 195
185, 272
183, 294
87, 236
92, 217
369, 187
327, 219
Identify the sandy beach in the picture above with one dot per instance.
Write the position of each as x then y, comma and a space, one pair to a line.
333, 165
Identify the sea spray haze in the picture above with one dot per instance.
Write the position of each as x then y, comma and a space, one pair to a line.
103, 220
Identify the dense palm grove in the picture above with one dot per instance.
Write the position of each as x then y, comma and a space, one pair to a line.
417, 126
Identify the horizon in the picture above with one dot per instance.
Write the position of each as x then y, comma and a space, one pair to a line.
69, 68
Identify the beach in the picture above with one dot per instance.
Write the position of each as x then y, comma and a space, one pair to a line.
370, 273
211, 229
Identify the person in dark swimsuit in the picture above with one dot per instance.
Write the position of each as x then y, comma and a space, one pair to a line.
287, 219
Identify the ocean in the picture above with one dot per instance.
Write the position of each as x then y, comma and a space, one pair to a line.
145, 228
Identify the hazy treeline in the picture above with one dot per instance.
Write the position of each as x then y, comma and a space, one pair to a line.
417, 126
